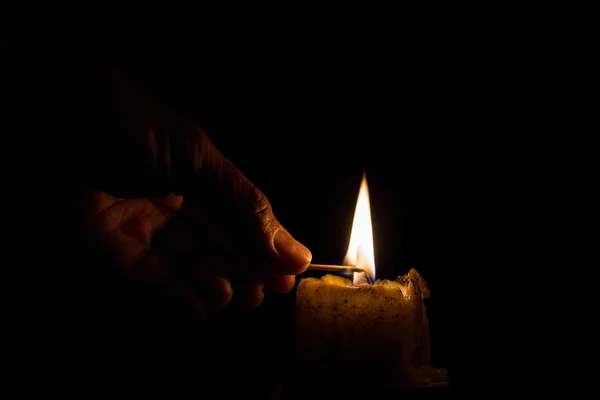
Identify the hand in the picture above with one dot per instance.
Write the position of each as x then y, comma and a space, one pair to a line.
165, 205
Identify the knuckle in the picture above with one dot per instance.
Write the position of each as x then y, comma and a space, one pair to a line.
264, 213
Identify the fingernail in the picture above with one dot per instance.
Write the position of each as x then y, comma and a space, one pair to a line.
290, 250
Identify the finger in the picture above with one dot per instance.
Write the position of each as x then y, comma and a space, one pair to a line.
280, 283
125, 229
205, 295
221, 254
215, 291
292, 255
247, 295
181, 253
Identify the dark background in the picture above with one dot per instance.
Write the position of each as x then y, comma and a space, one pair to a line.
303, 121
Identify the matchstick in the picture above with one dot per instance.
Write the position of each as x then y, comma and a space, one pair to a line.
335, 268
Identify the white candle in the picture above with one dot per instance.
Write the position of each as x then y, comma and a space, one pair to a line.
361, 331
378, 333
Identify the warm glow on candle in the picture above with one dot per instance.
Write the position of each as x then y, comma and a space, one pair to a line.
360, 249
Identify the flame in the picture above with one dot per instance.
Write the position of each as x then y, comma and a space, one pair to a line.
360, 249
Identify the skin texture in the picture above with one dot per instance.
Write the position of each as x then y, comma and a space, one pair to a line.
158, 201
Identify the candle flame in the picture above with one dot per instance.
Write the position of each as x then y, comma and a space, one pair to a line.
360, 249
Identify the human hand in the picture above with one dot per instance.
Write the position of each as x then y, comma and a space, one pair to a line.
167, 208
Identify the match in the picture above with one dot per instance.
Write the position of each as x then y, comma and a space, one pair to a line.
335, 268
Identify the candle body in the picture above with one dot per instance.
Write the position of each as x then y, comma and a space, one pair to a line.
375, 333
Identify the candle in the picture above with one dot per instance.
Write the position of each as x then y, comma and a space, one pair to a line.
368, 332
